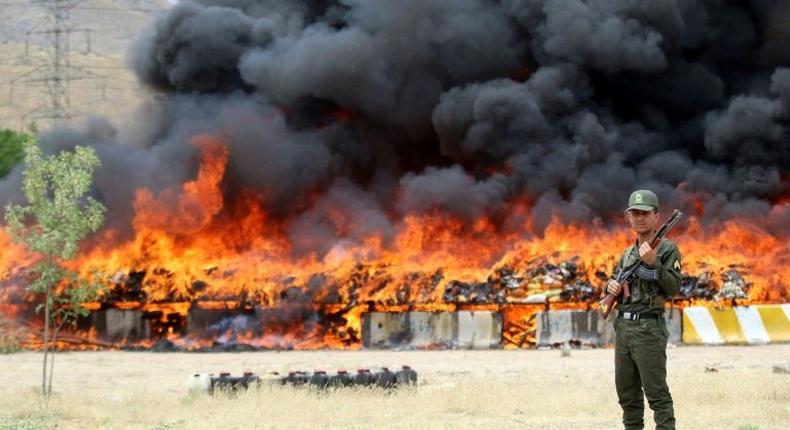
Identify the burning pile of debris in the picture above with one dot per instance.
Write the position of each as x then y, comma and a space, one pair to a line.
733, 286
540, 281
317, 380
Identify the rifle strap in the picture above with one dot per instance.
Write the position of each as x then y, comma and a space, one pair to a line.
630, 250
647, 274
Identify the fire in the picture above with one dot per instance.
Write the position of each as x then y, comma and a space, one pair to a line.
13, 262
194, 248
198, 201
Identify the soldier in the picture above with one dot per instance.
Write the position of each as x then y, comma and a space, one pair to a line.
641, 332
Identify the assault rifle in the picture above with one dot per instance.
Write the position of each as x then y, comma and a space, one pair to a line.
626, 274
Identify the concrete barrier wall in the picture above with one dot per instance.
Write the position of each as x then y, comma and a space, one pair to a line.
757, 324
115, 325
384, 329
752, 325
463, 329
429, 328
478, 330
562, 326
557, 327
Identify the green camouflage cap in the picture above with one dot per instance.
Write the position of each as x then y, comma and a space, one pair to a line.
643, 200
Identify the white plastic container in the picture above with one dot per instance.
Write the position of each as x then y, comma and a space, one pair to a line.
198, 383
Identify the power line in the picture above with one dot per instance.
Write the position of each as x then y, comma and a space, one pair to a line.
102, 8
103, 88
30, 64
53, 70
57, 73
84, 87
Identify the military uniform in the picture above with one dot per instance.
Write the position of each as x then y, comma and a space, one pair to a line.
641, 332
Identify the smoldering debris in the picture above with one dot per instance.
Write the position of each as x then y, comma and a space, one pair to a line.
539, 281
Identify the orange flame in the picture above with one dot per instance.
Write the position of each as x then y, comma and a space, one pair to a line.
192, 245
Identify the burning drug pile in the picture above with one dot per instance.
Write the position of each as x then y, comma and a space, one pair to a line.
541, 281
306, 162
705, 286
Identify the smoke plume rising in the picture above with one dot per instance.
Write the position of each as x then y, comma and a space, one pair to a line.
390, 108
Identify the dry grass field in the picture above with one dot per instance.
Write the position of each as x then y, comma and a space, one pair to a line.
457, 389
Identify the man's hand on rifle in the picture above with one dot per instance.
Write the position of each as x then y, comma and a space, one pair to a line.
614, 287
647, 254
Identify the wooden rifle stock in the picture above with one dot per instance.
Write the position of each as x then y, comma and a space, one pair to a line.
610, 301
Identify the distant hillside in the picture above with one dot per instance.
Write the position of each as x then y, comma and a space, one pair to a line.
106, 87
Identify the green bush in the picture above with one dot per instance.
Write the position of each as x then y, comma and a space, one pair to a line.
11, 150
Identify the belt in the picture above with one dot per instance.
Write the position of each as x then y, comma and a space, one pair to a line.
636, 316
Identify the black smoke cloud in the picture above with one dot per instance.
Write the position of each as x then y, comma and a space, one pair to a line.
390, 60
386, 108
195, 48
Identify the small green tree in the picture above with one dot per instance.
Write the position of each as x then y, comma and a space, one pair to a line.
59, 215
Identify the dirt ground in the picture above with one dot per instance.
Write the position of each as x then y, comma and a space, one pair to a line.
457, 389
